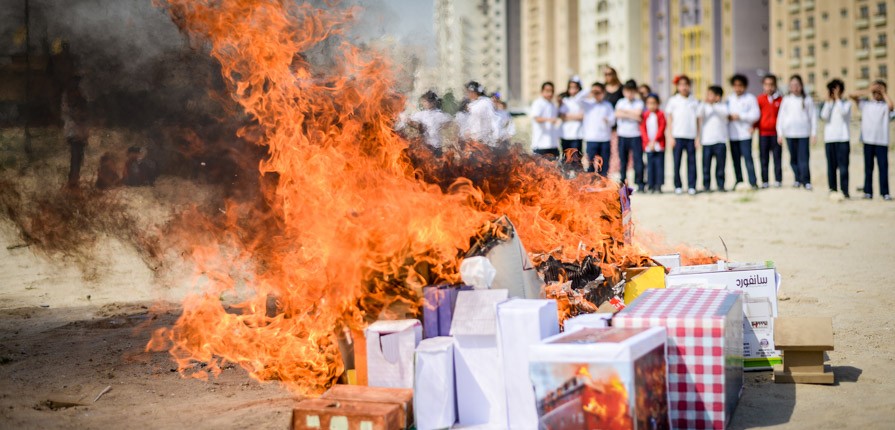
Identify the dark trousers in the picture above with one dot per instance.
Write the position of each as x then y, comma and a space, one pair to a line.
681, 145
565, 144
882, 160
767, 147
837, 158
602, 150
631, 147
798, 159
655, 165
77, 147
717, 151
546, 152
743, 149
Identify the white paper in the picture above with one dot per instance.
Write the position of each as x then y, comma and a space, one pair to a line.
390, 348
668, 260
434, 395
477, 272
597, 320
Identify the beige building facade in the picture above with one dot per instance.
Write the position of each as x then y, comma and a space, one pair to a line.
550, 44
609, 35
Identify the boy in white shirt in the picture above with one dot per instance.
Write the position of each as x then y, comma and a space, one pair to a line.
544, 122
681, 113
875, 116
744, 113
713, 114
836, 112
628, 114
571, 113
599, 116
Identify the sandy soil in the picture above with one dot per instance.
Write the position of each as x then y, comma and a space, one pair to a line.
65, 337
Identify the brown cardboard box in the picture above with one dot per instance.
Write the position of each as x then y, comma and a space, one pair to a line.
803, 342
403, 397
320, 414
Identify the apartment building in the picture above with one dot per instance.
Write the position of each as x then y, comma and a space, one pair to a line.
610, 34
550, 44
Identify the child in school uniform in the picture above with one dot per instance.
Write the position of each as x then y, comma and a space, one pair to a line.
628, 112
713, 115
744, 112
652, 131
797, 123
681, 113
544, 122
876, 113
768, 147
836, 113
571, 113
599, 117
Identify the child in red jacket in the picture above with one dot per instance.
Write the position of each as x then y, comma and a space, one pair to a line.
652, 131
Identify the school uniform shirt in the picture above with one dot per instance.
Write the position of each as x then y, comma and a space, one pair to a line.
543, 134
683, 111
714, 123
836, 114
599, 117
629, 127
746, 106
480, 122
797, 118
875, 117
433, 121
571, 130
504, 124
652, 129
769, 105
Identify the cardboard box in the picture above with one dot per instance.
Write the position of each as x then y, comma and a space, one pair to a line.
803, 342
759, 284
640, 279
705, 350
597, 320
481, 393
435, 399
390, 347
601, 378
324, 414
515, 271
668, 260
399, 396
522, 323
438, 308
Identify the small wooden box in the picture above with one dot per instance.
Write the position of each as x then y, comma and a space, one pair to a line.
403, 397
803, 342
327, 414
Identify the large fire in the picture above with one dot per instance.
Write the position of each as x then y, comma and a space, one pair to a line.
355, 219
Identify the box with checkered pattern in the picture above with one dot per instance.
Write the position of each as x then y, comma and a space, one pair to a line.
705, 350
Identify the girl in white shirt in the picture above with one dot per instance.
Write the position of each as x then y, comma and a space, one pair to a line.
599, 117
544, 120
572, 113
797, 123
713, 114
681, 113
480, 121
836, 112
431, 119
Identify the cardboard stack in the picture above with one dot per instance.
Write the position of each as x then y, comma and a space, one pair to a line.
705, 350
596, 378
438, 308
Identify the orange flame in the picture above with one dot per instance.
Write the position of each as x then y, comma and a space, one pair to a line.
352, 224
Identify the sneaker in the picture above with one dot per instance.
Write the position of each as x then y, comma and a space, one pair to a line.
868, 196
796, 185
755, 188
678, 191
809, 187
777, 184
887, 197
735, 185
846, 196
641, 189
765, 185
722, 190
691, 191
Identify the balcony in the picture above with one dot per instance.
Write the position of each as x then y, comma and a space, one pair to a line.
809, 61
862, 23
795, 34
809, 33
862, 54
795, 62
809, 5
879, 51
862, 84
794, 7
879, 20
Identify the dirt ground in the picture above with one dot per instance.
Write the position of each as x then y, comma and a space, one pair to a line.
66, 337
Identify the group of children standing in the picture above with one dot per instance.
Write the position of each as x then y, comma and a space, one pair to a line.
711, 124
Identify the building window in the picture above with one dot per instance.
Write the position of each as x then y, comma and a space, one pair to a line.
843, 12
865, 72
797, 52
824, 44
779, 52
881, 40
810, 50
810, 22
795, 25
881, 8
824, 16
883, 71
811, 78
865, 42
844, 42
864, 11
826, 74
844, 71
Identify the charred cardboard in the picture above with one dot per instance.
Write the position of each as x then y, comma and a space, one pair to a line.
515, 271
481, 393
438, 308
522, 323
596, 320
400, 396
803, 342
326, 414
435, 398
390, 347
638, 280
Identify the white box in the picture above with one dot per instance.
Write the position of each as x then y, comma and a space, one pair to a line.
522, 323
434, 395
668, 260
481, 393
598, 320
759, 285
390, 347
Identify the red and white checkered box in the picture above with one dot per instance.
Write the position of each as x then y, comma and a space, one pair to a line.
705, 350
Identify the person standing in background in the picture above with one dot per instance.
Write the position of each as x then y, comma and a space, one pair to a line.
571, 113
430, 119
613, 85
743, 112
713, 114
628, 114
768, 146
74, 114
836, 113
652, 129
505, 127
599, 117
544, 122
644, 91
481, 118
681, 112
876, 113
797, 123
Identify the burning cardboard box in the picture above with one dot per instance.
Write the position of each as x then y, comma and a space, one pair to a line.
515, 271
759, 283
522, 323
438, 309
435, 400
390, 347
705, 350
481, 393
401, 397
601, 378
803, 342
326, 414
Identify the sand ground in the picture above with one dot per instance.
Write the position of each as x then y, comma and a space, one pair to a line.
65, 337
